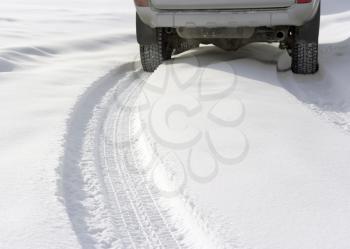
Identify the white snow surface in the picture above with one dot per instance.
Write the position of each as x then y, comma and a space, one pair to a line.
213, 150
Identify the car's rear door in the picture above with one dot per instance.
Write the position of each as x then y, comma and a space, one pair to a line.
220, 4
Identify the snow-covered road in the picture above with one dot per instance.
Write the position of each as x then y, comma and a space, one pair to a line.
213, 150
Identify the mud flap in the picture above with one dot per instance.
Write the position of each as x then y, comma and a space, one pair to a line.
145, 34
309, 32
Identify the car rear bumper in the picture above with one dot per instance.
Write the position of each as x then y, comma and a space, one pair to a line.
295, 15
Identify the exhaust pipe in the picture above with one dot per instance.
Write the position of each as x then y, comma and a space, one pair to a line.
280, 36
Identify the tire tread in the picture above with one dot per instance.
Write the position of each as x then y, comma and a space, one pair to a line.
305, 57
153, 55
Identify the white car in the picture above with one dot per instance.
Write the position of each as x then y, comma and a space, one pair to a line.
167, 27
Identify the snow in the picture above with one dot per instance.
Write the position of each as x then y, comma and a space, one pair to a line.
213, 150
51, 52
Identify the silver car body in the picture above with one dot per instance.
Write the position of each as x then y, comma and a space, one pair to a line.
227, 13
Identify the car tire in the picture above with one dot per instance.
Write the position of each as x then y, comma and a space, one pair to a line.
305, 58
305, 47
152, 55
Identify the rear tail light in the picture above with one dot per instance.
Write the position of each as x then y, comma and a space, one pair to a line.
303, 1
141, 3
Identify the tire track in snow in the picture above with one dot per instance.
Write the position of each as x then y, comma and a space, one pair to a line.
71, 183
108, 202
147, 220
